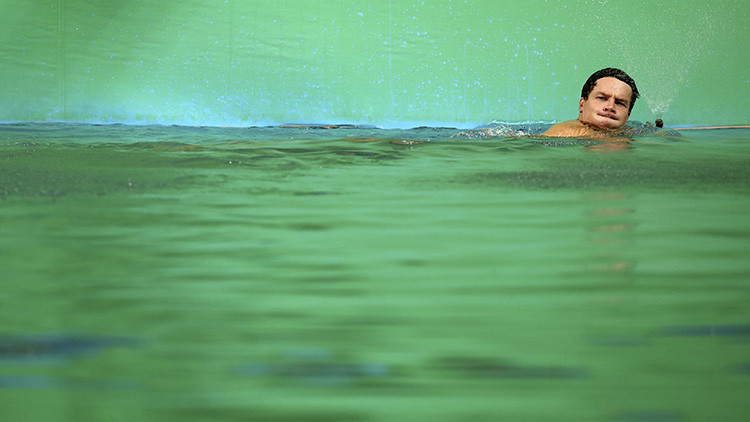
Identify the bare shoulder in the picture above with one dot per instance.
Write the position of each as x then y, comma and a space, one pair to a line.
571, 128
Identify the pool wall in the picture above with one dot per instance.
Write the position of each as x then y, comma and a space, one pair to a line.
389, 63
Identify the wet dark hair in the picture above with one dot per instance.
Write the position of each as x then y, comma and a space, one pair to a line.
613, 73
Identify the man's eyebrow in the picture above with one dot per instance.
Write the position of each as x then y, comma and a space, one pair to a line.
597, 92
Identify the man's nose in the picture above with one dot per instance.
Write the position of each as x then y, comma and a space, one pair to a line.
610, 106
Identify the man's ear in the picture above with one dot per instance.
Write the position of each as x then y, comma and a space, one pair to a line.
580, 105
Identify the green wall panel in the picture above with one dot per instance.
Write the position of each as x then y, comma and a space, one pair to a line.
386, 62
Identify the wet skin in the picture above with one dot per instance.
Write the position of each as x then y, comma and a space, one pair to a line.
607, 108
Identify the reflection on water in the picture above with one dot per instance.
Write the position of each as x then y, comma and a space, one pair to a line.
355, 274
611, 222
316, 367
742, 331
28, 348
484, 368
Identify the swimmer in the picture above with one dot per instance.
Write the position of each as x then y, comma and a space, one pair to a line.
607, 98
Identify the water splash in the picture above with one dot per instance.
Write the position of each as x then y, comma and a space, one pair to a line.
680, 38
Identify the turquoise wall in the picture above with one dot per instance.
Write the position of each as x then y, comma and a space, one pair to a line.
385, 62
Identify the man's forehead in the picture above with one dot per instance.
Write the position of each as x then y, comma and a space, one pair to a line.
619, 87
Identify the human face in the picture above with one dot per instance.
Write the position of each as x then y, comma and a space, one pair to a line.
608, 104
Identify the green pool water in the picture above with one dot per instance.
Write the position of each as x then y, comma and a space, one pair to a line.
360, 274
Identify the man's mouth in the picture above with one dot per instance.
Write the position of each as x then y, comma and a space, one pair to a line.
608, 116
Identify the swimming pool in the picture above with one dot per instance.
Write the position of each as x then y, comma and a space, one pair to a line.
297, 273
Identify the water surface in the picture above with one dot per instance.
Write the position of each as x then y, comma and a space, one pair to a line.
347, 274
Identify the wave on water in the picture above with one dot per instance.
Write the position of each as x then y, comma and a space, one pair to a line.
505, 130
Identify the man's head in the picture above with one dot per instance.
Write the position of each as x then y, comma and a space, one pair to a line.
607, 98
